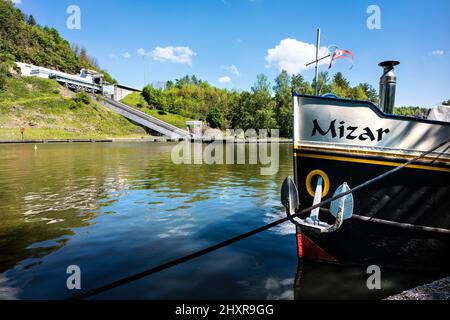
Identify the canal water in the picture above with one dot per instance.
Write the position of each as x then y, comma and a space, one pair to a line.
118, 209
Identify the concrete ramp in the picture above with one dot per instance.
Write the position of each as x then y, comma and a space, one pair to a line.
146, 120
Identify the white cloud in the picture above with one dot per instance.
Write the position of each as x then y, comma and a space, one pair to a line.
233, 69
112, 56
293, 55
182, 55
17, 1
224, 80
437, 53
142, 52
126, 55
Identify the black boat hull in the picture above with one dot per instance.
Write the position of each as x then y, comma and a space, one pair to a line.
402, 221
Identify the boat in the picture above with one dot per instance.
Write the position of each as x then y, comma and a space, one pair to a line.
401, 220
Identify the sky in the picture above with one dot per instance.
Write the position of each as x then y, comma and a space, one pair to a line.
229, 42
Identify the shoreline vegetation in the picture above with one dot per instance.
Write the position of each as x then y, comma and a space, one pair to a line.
48, 111
136, 100
44, 110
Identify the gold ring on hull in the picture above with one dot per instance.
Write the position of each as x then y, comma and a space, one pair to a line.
326, 182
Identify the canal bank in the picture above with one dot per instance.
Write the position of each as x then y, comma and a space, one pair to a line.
153, 139
438, 290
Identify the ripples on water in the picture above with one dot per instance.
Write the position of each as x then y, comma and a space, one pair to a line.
117, 209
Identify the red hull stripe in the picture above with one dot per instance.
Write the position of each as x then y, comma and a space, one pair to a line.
311, 251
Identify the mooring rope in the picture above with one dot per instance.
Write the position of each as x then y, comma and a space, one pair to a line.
241, 237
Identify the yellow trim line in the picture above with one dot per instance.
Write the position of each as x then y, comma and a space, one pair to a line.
376, 162
371, 153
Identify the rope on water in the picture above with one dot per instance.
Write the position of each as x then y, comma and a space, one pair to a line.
231, 241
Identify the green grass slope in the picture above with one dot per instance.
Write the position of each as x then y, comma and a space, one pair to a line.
48, 111
135, 100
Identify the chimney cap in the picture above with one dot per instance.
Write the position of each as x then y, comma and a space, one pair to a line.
389, 64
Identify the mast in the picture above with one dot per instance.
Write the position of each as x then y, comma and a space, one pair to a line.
317, 61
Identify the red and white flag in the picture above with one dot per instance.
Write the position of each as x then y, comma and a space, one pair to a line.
341, 54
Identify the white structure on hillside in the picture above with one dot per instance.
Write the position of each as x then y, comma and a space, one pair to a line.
25, 68
87, 80
118, 92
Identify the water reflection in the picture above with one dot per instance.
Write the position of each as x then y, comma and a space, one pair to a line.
118, 209
7, 292
45, 194
337, 282
280, 289
115, 209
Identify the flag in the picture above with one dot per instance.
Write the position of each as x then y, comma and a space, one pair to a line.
341, 54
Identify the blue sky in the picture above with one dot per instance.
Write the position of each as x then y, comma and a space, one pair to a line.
229, 40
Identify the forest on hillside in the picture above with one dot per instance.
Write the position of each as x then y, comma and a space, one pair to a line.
23, 39
265, 106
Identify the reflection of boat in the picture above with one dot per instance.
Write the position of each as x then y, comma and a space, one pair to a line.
402, 220
324, 281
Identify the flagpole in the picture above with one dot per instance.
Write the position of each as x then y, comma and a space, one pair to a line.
317, 61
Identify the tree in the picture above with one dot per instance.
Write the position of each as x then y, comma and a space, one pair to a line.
262, 105
6, 65
283, 104
357, 93
195, 81
155, 98
215, 118
446, 103
28, 42
262, 84
297, 82
412, 111
340, 86
76, 49
240, 116
323, 85
169, 85
301, 86
282, 83
370, 92
183, 81
263, 111
31, 21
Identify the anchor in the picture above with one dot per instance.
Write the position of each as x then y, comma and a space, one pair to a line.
341, 209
